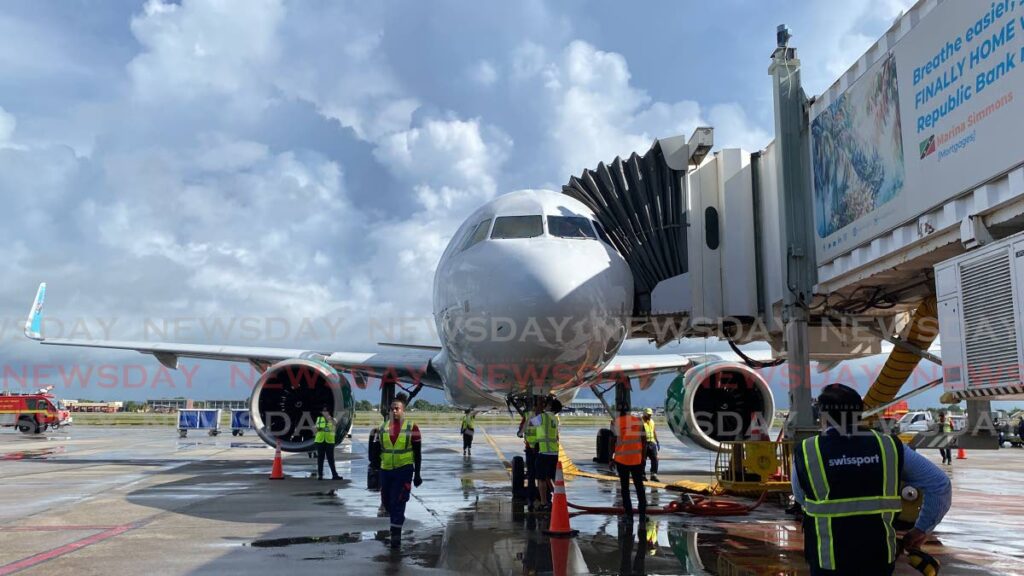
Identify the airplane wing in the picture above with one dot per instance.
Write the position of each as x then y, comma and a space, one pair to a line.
408, 365
645, 367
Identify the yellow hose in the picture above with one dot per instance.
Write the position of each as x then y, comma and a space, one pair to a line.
901, 363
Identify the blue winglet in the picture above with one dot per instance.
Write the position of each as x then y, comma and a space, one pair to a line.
34, 324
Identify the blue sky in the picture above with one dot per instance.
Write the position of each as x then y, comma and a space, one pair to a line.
171, 162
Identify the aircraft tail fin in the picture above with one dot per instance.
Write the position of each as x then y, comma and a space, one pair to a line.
34, 323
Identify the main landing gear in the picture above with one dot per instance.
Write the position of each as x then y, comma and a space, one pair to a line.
605, 436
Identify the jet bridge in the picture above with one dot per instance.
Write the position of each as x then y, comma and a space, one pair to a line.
700, 232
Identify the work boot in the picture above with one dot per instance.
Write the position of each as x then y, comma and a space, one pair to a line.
337, 477
654, 478
396, 537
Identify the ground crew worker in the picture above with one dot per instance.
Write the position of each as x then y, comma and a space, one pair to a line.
529, 435
400, 465
545, 447
630, 445
848, 482
653, 445
324, 443
947, 428
468, 423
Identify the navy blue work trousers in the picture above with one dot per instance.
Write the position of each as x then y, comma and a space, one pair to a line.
395, 488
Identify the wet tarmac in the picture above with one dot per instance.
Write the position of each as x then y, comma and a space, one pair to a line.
128, 500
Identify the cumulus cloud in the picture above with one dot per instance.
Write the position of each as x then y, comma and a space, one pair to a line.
451, 163
733, 129
837, 34
484, 73
598, 114
196, 48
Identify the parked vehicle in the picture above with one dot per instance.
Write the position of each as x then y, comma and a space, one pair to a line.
33, 413
921, 421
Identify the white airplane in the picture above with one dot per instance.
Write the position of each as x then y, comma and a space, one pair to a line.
530, 298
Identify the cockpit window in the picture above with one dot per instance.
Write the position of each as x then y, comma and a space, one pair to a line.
479, 233
570, 227
602, 234
517, 227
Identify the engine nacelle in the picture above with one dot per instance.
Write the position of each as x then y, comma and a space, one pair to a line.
288, 398
718, 402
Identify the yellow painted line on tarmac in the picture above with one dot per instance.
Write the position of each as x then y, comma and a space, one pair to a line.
501, 455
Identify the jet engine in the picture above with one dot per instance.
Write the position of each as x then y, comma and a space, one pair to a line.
288, 398
718, 402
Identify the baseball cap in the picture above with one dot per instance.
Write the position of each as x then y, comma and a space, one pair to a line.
648, 411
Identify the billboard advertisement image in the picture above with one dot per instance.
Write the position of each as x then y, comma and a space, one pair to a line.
858, 151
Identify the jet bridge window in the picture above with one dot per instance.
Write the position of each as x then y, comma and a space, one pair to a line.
570, 227
478, 235
508, 227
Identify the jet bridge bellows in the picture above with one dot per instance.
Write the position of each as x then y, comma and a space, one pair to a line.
684, 222
641, 202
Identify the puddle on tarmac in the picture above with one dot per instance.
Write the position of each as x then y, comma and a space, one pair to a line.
346, 538
248, 445
40, 454
422, 552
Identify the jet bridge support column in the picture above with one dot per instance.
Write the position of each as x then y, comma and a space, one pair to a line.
791, 135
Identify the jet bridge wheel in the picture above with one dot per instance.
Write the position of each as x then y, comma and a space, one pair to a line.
604, 446
519, 479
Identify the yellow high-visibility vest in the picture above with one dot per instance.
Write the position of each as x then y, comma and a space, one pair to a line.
397, 454
649, 429
546, 435
324, 431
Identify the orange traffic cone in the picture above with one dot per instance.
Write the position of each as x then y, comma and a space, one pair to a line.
560, 556
276, 473
559, 526
961, 454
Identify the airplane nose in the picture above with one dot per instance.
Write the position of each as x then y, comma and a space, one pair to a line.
543, 302
536, 281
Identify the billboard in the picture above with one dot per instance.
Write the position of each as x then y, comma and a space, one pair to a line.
937, 114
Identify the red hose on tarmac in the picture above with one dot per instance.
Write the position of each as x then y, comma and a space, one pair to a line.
698, 506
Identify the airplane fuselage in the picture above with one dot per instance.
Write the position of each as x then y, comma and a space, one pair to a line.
529, 297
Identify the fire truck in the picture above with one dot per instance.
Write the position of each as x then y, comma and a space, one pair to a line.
33, 413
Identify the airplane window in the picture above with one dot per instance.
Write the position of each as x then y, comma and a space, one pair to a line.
570, 227
517, 227
480, 233
602, 234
